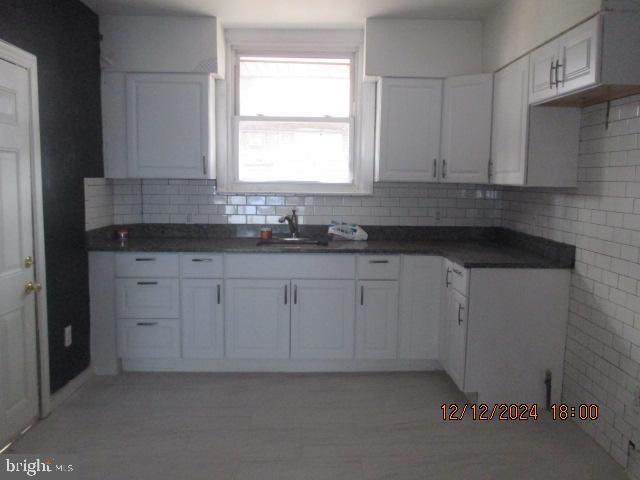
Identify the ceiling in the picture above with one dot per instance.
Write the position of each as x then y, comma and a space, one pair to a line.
298, 13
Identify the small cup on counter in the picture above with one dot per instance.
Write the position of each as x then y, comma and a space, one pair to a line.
266, 233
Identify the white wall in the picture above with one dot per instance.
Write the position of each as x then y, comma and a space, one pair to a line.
518, 26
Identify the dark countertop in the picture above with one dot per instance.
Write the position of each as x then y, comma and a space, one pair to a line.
475, 252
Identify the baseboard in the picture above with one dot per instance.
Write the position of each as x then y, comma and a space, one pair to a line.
69, 389
228, 365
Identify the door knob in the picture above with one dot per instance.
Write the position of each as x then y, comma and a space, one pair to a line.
32, 286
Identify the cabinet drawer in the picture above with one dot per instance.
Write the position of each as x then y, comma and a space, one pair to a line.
147, 298
148, 338
287, 266
378, 267
196, 265
147, 264
458, 277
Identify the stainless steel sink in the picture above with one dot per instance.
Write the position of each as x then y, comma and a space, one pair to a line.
293, 241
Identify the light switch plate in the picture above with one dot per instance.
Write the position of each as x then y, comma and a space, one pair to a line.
67, 336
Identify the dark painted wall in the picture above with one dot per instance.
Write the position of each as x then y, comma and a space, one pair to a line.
63, 34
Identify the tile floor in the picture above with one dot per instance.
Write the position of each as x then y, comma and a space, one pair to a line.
302, 427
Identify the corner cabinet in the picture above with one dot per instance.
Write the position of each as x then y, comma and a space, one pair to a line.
158, 125
408, 129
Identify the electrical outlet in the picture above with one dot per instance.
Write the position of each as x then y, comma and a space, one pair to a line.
68, 339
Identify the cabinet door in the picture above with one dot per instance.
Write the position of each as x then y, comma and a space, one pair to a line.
408, 129
420, 290
579, 56
202, 319
542, 72
147, 298
150, 338
169, 125
466, 129
257, 318
457, 336
377, 319
510, 123
322, 319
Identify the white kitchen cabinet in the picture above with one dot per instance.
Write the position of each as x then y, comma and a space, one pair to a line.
377, 319
532, 146
466, 129
202, 318
456, 335
420, 291
579, 57
149, 338
147, 298
257, 318
169, 126
542, 72
322, 319
408, 129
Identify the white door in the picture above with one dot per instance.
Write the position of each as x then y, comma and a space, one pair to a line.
409, 129
510, 124
542, 72
579, 52
322, 319
18, 368
420, 291
377, 319
168, 125
466, 129
257, 318
202, 319
457, 336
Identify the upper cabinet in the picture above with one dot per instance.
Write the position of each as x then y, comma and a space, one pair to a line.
591, 63
158, 125
421, 48
532, 146
162, 44
466, 129
408, 129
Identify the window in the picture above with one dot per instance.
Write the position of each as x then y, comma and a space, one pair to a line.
295, 118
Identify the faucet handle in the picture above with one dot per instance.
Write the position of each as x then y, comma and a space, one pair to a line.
282, 219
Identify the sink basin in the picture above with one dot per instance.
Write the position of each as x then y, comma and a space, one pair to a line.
293, 241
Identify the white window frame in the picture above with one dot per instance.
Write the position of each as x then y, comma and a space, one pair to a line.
298, 43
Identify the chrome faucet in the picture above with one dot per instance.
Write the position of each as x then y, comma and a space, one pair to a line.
292, 221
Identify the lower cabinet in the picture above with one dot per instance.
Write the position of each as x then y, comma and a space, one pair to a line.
202, 318
257, 324
149, 338
322, 319
455, 335
377, 319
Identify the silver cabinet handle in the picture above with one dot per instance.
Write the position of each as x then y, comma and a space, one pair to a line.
489, 170
204, 165
202, 260
295, 294
435, 168
378, 261
147, 283
361, 294
145, 259
446, 281
285, 294
460, 309
551, 76
558, 65
218, 293
146, 324
444, 168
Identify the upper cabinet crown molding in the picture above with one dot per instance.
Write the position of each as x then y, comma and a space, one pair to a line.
162, 44
410, 47
591, 63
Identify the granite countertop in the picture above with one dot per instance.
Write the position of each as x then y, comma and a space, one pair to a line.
483, 251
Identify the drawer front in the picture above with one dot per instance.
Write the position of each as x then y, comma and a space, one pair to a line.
196, 265
147, 264
148, 338
290, 265
147, 298
378, 267
458, 277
